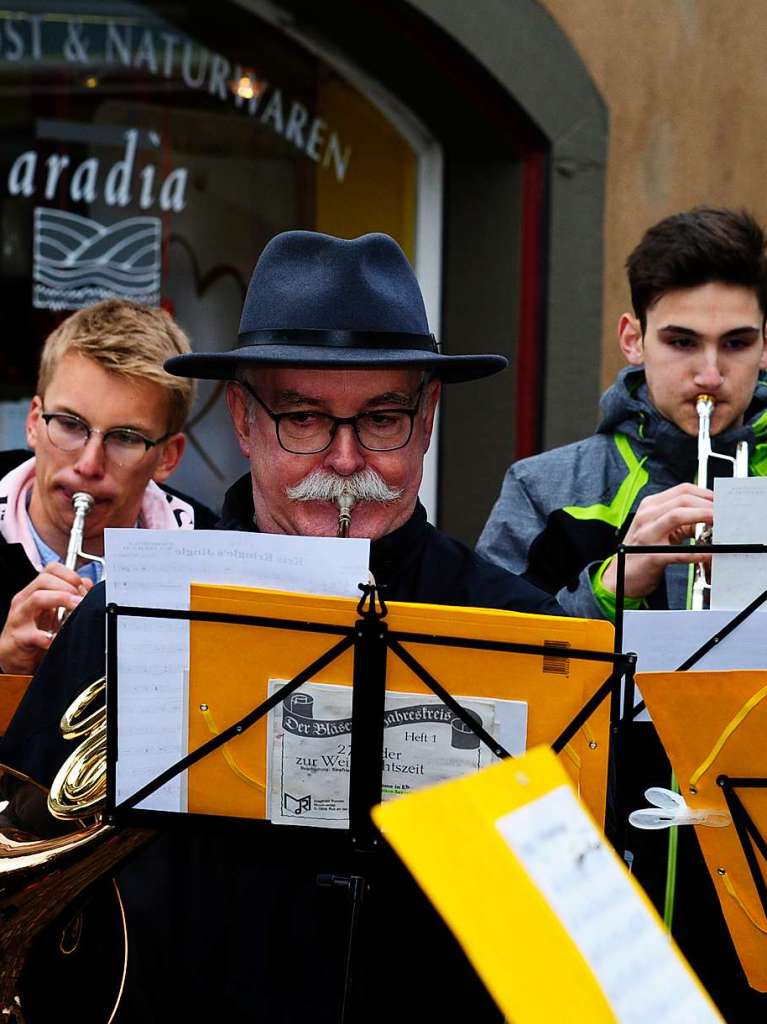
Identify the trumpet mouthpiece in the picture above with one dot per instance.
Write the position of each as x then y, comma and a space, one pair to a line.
707, 401
82, 502
345, 504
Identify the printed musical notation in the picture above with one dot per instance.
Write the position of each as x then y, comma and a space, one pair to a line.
154, 569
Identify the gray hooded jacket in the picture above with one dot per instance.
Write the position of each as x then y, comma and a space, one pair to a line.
562, 513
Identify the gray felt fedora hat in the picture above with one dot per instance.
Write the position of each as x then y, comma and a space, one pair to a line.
324, 302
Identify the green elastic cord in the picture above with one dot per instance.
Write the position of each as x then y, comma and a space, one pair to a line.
606, 599
671, 864
690, 582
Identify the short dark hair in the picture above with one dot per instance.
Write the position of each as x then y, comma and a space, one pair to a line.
689, 249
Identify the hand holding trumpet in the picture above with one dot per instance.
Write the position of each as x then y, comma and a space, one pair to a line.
670, 517
31, 624
37, 612
674, 516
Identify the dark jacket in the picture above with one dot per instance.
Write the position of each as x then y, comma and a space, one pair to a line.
16, 571
237, 921
419, 563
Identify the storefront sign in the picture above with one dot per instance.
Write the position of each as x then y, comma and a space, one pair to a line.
93, 44
77, 259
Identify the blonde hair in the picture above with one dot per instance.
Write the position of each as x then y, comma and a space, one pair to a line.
129, 340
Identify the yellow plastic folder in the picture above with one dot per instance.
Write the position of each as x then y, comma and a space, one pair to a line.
711, 724
12, 690
231, 665
542, 906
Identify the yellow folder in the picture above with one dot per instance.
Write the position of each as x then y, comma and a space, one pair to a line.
12, 689
711, 724
524, 933
230, 666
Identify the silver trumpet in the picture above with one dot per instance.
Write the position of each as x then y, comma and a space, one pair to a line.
345, 504
82, 504
704, 407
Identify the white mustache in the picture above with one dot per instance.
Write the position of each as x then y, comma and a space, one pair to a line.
323, 485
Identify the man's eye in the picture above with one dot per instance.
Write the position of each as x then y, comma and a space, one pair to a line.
70, 424
682, 343
738, 344
126, 438
301, 420
382, 424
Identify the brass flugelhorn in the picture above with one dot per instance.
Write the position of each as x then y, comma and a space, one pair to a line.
82, 503
704, 406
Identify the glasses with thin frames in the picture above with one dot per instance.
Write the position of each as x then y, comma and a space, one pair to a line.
306, 432
125, 447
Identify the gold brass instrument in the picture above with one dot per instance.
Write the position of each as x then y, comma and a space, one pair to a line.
82, 503
704, 407
43, 880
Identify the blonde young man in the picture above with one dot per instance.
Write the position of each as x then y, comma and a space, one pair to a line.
106, 420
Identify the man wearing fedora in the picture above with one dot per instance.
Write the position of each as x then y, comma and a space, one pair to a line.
334, 388
332, 392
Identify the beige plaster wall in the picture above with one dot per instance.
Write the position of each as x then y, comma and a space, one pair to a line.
685, 82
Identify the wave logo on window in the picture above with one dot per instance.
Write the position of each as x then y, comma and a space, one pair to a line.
78, 261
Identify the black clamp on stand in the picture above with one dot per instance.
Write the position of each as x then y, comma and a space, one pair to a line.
751, 839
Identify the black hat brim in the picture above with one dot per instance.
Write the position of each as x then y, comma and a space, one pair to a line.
223, 365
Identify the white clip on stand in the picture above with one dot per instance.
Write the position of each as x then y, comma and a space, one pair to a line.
670, 808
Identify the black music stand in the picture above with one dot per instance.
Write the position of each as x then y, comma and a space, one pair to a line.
629, 711
371, 641
748, 833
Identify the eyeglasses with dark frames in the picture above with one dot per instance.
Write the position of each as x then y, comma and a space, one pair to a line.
306, 432
125, 447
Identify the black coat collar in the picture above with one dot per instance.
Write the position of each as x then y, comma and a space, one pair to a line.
394, 551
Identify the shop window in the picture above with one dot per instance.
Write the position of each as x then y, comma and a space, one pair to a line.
150, 155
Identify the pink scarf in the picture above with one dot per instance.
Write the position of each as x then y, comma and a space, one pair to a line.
159, 510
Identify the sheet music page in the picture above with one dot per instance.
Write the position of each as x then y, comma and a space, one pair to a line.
154, 569
588, 890
663, 640
740, 517
309, 744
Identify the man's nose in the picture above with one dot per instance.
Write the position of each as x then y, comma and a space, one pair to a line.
345, 454
708, 376
91, 458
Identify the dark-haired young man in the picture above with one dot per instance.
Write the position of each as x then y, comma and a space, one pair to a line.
699, 294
